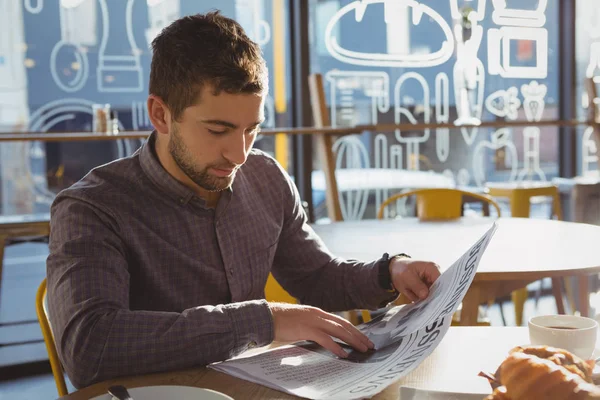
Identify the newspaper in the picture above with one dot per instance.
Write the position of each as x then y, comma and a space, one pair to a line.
404, 336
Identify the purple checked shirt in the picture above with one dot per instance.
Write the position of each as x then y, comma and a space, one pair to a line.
143, 277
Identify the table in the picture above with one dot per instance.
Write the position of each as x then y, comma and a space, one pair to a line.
381, 178
522, 251
16, 227
452, 367
19, 226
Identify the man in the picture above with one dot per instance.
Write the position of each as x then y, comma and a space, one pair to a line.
159, 261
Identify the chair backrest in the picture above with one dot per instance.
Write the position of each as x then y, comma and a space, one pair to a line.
325, 145
41, 308
274, 292
438, 204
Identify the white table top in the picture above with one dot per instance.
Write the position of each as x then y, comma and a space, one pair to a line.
452, 367
461, 355
381, 178
520, 249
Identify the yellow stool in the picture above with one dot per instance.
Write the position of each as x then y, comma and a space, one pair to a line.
519, 195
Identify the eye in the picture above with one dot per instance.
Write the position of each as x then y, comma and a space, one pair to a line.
254, 131
217, 132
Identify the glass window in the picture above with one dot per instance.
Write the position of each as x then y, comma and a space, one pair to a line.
454, 61
59, 58
587, 36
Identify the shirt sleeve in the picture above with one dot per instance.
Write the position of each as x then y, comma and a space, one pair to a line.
98, 337
308, 271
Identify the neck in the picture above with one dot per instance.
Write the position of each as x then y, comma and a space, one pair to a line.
169, 164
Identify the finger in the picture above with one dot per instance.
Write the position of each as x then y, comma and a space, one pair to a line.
413, 282
409, 294
430, 273
328, 343
334, 329
349, 327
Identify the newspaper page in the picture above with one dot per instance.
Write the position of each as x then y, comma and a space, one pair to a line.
404, 336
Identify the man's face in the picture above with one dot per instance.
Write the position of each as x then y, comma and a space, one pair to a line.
212, 139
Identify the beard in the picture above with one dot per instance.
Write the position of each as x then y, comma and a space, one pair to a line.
200, 177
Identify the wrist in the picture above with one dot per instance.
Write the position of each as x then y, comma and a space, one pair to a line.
385, 271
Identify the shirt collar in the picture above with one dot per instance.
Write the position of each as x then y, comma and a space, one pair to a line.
159, 176
167, 183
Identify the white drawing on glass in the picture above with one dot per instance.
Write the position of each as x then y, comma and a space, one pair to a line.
380, 145
140, 120
351, 153
504, 103
118, 72
463, 177
412, 141
469, 72
519, 17
531, 155
34, 9
500, 140
534, 103
14, 105
372, 59
42, 120
347, 86
249, 14
77, 33
442, 116
594, 63
591, 16
16, 190
589, 152
499, 54
448, 173
160, 14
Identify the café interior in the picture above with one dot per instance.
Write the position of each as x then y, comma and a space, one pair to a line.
406, 126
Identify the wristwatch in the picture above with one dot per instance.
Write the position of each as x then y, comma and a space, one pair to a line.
385, 278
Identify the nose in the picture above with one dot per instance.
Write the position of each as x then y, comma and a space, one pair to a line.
236, 150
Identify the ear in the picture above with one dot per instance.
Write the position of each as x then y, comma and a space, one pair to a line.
159, 114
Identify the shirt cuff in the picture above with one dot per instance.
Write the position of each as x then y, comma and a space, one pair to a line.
252, 323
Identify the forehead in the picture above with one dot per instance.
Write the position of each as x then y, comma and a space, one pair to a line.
239, 108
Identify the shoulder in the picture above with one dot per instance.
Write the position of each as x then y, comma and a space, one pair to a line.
105, 185
264, 169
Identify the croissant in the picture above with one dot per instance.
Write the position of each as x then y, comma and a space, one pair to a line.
526, 376
560, 357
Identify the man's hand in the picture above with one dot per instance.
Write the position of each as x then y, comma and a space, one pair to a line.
413, 278
295, 322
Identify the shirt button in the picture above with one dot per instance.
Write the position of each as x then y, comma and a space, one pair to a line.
181, 200
231, 271
252, 344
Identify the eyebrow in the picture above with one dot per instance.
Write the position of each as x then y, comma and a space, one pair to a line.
226, 123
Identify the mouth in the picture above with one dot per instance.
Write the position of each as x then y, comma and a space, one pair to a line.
223, 172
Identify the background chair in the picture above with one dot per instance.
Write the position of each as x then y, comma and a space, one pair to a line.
276, 293
41, 308
439, 205
520, 195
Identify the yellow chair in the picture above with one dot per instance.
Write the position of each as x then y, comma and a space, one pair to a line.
41, 309
519, 195
439, 205
276, 293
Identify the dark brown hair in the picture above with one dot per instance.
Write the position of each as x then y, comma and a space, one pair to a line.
199, 50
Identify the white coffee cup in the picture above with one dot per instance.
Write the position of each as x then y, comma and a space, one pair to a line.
569, 332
